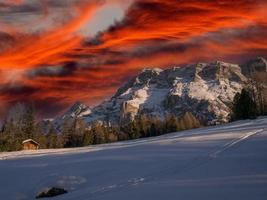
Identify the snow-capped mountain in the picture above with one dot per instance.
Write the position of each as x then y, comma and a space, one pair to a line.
204, 90
78, 110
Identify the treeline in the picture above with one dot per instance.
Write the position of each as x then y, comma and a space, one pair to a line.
21, 124
144, 126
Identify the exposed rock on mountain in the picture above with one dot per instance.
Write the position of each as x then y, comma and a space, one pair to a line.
206, 91
78, 110
255, 66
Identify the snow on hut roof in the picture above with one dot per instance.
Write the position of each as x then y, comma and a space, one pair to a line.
30, 140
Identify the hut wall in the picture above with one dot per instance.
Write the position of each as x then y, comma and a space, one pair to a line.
30, 146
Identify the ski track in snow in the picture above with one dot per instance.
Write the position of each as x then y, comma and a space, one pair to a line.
234, 142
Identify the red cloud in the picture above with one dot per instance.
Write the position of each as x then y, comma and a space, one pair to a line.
153, 33
48, 47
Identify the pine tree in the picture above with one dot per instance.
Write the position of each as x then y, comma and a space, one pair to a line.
40, 135
143, 125
133, 129
51, 138
171, 123
244, 106
88, 138
98, 133
28, 123
153, 130
68, 129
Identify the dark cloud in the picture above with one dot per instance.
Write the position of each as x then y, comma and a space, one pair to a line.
26, 8
67, 69
223, 38
32, 6
6, 41
17, 90
50, 107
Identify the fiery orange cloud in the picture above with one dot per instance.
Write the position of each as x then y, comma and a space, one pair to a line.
62, 66
48, 47
180, 20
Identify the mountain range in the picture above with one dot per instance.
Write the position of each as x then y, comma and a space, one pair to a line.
205, 90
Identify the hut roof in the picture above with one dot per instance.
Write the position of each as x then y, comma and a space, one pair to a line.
30, 140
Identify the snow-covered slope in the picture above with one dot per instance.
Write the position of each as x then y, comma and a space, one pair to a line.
220, 162
204, 90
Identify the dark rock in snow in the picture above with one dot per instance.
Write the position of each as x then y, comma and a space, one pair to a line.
51, 192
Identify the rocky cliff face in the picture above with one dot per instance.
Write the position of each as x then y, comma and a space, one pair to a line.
255, 67
206, 91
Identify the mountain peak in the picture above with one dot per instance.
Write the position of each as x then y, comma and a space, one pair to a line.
147, 74
77, 105
78, 109
205, 90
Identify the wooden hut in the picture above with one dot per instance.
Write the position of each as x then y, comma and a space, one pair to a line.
30, 144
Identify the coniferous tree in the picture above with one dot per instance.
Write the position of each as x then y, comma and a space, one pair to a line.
88, 138
72, 133
79, 130
51, 138
12, 127
244, 106
144, 125
171, 123
68, 129
153, 130
40, 134
28, 123
133, 129
98, 133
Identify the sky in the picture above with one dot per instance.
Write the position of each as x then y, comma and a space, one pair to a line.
54, 53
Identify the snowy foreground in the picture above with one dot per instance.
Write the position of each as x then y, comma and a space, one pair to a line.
222, 162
